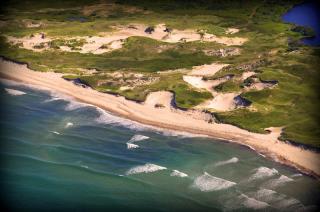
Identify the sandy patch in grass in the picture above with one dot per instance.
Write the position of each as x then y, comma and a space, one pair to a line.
30, 42
234, 41
275, 132
207, 69
100, 45
160, 99
198, 82
225, 52
232, 30
164, 100
31, 24
260, 86
247, 74
221, 102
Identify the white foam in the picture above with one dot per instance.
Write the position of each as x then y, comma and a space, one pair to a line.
52, 99
147, 168
104, 116
14, 92
207, 182
232, 160
296, 175
180, 134
135, 138
73, 105
132, 146
84, 166
69, 124
269, 196
288, 203
253, 203
176, 173
263, 172
107, 118
138, 138
278, 182
55, 132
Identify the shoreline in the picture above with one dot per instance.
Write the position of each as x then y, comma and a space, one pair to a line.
306, 161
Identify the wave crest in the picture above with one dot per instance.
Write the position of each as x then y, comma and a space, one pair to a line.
132, 146
176, 173
14, 92
232, 160
278, 182
138, 138
263, 172
69, 124
55, 132
207, 182
147, 168
74, 105
252, 203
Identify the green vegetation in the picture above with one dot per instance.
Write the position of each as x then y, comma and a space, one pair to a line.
228, 86
272, 51
74, 44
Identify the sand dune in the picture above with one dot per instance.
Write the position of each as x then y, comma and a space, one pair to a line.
160, 99
221, 102
109, 41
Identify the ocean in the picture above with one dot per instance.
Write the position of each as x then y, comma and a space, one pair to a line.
58, 154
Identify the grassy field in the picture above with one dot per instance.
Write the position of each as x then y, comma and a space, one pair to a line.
272, 51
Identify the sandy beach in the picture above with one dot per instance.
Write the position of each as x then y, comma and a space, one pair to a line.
163, 117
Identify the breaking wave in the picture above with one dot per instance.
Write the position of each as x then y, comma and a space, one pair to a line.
138, 138
147, 168
267, 195
52, 99
263, 172
73, 105
181, 134
69, 124
107, 118
135, 138
132, 146
176, 173
207, 182
278, 182
55, 132
232, 160
288, 204
296, 175
252, 203
14, 92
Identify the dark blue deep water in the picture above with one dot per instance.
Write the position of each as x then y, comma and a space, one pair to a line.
60, 155
306, 14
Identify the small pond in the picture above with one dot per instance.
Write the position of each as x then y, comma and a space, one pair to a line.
306, 14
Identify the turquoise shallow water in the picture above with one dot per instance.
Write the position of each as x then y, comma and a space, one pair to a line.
58, 154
